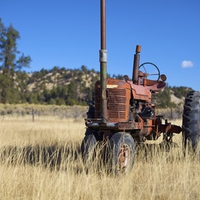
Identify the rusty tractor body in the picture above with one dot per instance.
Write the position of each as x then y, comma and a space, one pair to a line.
129, 107
122, 114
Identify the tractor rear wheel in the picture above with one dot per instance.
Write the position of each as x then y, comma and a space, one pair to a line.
191, 121
122, 153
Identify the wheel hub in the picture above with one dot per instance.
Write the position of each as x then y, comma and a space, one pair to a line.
123, 157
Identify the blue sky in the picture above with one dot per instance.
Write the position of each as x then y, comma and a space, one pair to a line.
66, 33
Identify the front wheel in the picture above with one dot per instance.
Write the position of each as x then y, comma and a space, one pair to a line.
88, 148
122, 153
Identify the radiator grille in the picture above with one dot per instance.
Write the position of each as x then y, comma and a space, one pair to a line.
116, 104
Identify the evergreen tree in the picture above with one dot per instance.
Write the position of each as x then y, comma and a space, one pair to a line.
9, 62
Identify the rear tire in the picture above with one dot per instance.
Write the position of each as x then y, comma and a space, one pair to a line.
191, 121
122, 153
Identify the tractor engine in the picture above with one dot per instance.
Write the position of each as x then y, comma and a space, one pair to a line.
124, 101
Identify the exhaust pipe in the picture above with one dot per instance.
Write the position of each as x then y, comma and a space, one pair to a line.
103, 62
136, 62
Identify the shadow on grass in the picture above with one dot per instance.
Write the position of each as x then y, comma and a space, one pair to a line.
59, 156
148, 152
48, 156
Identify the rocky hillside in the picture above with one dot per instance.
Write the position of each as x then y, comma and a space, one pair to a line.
60, 86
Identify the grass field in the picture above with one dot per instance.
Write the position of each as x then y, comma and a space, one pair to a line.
41, 160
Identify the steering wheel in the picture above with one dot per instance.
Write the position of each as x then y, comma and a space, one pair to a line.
152, 69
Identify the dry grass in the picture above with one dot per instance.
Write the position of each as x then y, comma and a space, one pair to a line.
41, 160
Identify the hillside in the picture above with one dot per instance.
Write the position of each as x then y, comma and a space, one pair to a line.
61, 86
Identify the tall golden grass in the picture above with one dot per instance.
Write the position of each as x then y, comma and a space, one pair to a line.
41, 160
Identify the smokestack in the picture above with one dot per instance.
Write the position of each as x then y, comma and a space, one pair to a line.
103, 62
136, 62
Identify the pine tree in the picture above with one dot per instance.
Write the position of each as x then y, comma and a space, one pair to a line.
9, 63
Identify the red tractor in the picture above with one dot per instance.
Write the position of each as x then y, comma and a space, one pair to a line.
123, 113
